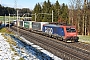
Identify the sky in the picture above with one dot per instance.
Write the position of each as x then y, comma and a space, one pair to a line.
27, 3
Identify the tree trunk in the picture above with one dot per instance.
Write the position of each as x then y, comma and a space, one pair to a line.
83, 26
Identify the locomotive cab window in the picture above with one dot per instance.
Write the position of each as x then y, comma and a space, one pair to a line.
70, 29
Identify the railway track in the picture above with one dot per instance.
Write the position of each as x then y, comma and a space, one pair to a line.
63, 50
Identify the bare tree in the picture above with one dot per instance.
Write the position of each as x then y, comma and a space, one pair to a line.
78, 6
88, 17
85, 19
75, 10
80, 13
71, 14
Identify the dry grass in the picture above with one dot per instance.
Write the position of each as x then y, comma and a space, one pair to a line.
11, 41
5, 30
21, 59
4, 36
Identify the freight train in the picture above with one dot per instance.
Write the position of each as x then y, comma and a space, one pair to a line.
60, 32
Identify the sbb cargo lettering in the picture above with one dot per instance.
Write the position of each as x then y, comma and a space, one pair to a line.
48, 30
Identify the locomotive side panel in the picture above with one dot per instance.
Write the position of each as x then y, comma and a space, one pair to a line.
54, 30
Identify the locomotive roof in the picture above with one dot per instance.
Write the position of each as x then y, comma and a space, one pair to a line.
53, 25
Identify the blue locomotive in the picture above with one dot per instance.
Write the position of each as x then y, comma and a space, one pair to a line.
65, 33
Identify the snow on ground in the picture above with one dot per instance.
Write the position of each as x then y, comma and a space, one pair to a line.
5, 52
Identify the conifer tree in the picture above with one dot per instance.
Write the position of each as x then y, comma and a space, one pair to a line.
64, 13
57, 11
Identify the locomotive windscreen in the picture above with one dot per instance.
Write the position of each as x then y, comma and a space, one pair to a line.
70, 29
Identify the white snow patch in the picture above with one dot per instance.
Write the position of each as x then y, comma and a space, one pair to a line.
5, 52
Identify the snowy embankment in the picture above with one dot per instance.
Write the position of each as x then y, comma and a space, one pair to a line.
13, 49
6, 53
10, 49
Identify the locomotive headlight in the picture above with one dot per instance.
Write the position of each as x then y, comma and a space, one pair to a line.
67, 35
75, 35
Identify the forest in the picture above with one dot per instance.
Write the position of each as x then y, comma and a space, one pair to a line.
76, 13
8, 10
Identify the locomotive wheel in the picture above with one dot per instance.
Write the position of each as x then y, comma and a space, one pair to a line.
65, 40
73, 41
76, 40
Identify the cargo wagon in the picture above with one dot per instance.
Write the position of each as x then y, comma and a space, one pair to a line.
38, 25
28, 24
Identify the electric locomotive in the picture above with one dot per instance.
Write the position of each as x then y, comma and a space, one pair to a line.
65, 33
